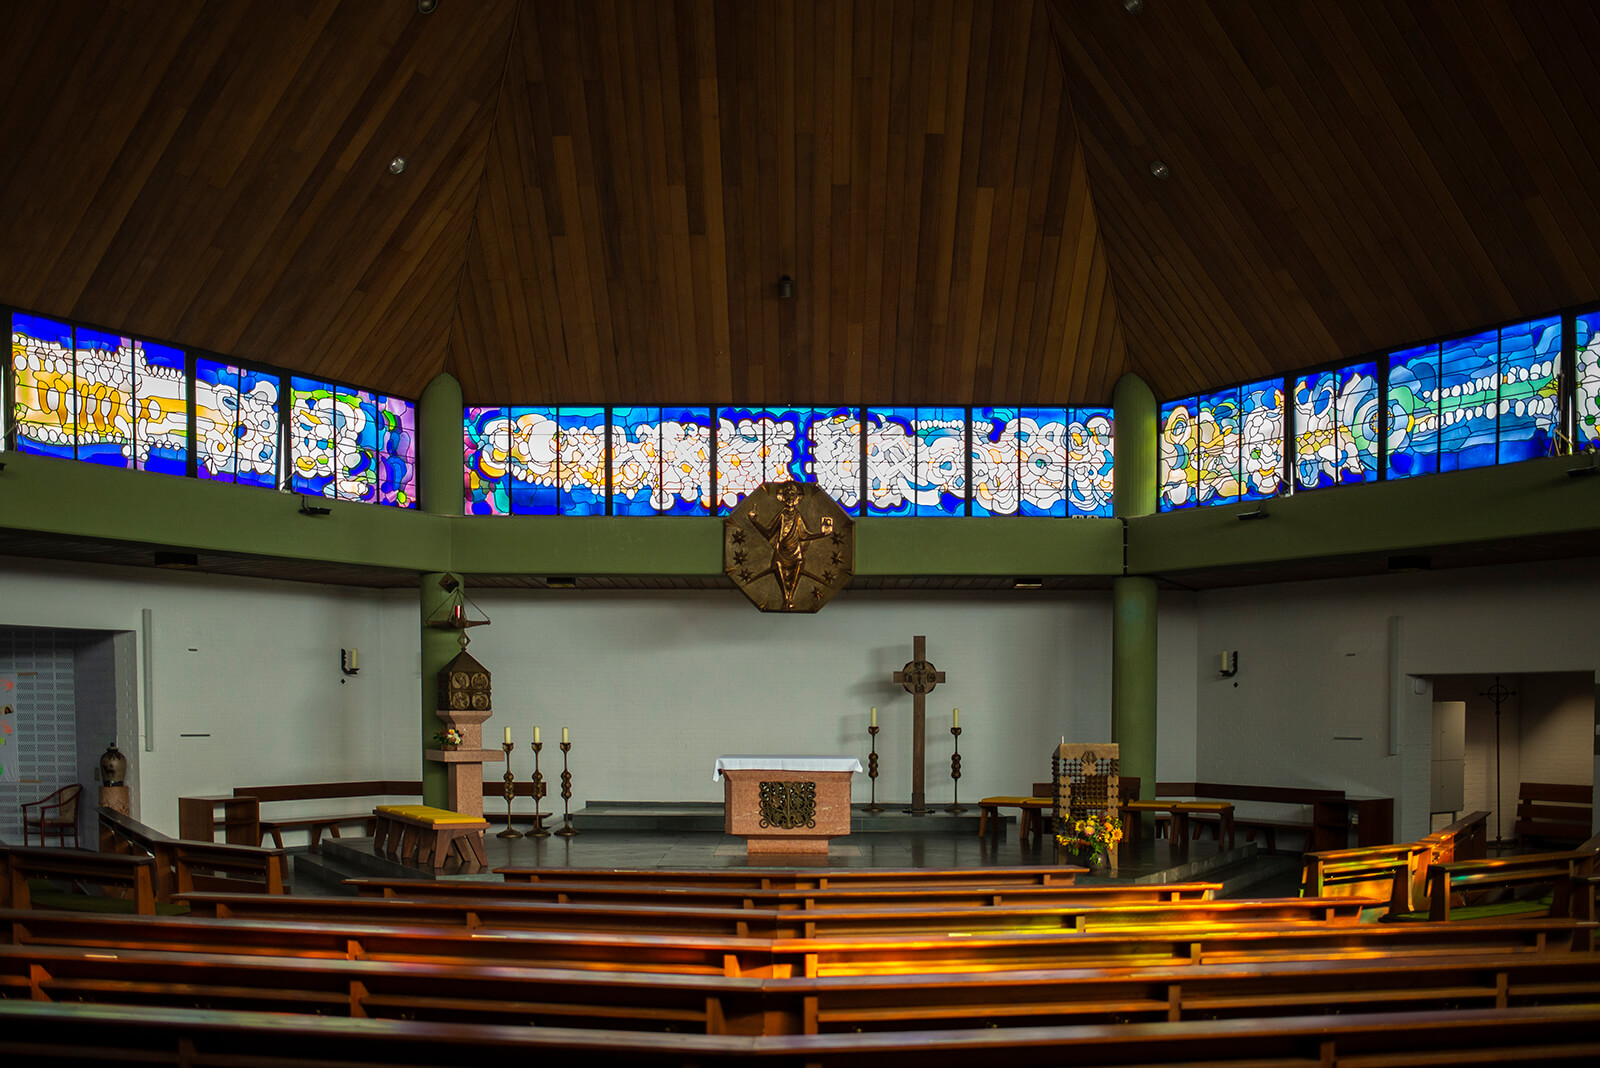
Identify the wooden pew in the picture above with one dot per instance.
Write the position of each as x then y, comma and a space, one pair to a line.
975, 896
549, 997
1396, 873
988, 952
33, 1033
135, 876
1465, 839
183, 866
803, 878
1558, 871
770, 922
1554, 812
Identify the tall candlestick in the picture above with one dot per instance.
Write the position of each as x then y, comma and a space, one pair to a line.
954, 807
567, 830
872, 766
538, 829
510, 790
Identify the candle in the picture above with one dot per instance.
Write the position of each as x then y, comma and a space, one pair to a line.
874, 715
563, 735
955, 717
508, 734
536, 736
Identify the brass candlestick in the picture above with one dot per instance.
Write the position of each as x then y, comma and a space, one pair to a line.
538, 830
955, 807
567, 829
872, 770
509, 792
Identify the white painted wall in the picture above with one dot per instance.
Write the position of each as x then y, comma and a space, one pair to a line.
252, 664
1313, 668
655, 686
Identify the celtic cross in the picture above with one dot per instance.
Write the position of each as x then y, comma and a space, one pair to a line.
919, 678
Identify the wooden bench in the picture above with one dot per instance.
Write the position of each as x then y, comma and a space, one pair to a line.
804, 878
429, 835
1181, 812
1030, 820
737, 921
1332, 813
600, 951
163, 1034
319, 824
975, 896
1400, 871
550, 997
182, 865
1553, 871
134, 876
1554, 812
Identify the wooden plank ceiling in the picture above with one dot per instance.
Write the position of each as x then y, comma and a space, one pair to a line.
1344, 177
601, 195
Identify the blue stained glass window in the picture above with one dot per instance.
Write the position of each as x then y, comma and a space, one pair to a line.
260, 430
996, 471
891, 460
1530, 401
236, 424
1091, 461
311, 434
104, 372
1469, 381
1336, 426
635, 460
397, 451
532, 458
1413, 432
160, 409
334, 434
46, 400
1261, 439
1217, 448
1178, 466
741, 455
833, 449
1586, 366
487, 442
941, 471
1042, 442
581, 459
685, 462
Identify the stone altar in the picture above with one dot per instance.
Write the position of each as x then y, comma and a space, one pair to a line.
788, 804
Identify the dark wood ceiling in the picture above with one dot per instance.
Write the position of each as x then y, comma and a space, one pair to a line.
600, 195
1344, 176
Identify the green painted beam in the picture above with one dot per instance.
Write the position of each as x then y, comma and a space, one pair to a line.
582, 545
1462, 507
80, 500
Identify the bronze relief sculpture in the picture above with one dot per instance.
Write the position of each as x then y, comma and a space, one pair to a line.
789, 547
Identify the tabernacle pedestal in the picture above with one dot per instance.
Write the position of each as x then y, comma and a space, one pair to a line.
786, 804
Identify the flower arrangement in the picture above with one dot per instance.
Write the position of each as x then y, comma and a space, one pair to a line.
450, 737
1093, 834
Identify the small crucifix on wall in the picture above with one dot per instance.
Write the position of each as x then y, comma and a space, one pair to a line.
919, 678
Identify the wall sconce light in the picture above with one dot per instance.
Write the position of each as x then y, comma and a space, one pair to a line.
349, 661
785, 287
425, 7
561, 582
312, 509
1230, 664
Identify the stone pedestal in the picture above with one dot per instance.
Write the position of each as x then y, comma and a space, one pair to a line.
464, 765
116, 799
786, 811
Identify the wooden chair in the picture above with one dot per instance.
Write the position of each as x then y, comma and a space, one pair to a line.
56, 815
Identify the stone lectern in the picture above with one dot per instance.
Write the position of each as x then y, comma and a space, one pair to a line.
464, 704
786, 804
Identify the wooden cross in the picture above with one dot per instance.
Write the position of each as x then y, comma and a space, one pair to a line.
919, 678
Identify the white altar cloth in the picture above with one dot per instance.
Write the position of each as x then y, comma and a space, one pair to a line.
784, 763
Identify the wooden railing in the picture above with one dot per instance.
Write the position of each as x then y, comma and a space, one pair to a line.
133, 876
184, 866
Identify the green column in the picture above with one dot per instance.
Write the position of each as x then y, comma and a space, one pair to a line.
439, 647
439, 456
439, 490
1133, 677
1133, 597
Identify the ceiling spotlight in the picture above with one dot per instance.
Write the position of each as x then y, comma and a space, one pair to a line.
561, 582
397, 164
1132, 7
1157, 168
1028, 584
425, 7
785, 287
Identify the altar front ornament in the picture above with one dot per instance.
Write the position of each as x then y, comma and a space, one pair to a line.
789, 547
